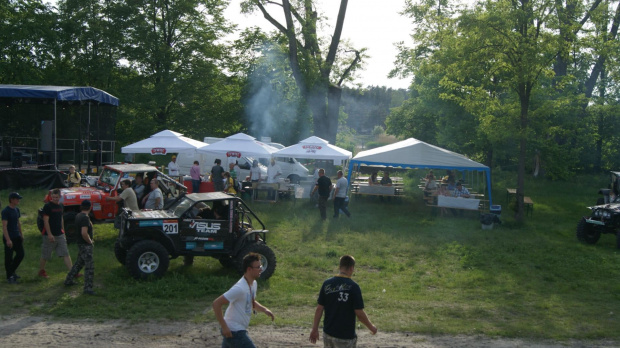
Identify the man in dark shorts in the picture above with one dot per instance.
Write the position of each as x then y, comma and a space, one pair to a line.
53, 234
12, 237
341, 300
85, 244
324, 186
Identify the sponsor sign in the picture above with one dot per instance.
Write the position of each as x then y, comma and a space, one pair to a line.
148, 223
233, 154
84, 196
205, 227
311, 148
213, 245
158, 151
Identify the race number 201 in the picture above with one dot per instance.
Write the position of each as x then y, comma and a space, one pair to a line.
171, 227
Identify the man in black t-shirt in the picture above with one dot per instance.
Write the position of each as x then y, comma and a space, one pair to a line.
85, 254
341, 300
324, 186
12, 237
53, 234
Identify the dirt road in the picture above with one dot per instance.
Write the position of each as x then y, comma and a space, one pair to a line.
27, 331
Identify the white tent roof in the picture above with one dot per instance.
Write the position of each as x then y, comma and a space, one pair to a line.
414, 153
239, 145
162, 143
315, 148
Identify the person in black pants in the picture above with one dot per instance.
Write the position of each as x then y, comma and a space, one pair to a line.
324, 186
12, 237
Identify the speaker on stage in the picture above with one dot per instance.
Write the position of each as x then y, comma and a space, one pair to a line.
47, 135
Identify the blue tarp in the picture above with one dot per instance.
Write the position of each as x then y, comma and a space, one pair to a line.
59, 93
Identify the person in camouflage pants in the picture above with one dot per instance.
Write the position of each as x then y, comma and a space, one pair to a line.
85, 254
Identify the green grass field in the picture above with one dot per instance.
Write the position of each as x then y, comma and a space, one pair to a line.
419, 273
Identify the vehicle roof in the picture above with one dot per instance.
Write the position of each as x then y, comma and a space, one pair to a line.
209, 196
132, 167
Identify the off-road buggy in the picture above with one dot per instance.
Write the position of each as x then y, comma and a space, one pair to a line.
211, 224
108, 185
605, 216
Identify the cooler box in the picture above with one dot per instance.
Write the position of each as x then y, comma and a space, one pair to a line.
496, 209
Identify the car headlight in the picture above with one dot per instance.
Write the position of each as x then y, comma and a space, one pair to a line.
597, 213
606, 214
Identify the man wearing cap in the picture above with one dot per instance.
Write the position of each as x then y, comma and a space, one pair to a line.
12, 237
173, 167
85, 246
217, 175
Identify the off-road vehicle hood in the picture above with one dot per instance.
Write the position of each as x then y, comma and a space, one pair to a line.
152, 214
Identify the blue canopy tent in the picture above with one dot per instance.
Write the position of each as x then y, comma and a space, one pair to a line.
26, 93
413, 153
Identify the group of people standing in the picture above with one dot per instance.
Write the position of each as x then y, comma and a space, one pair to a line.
324, 187
53, 240
223, 181
340, 302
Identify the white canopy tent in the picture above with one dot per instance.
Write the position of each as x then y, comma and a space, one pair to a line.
162, 143
315, 148
239, 145
413, 153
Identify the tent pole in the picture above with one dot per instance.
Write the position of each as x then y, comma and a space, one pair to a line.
88, 141
55, 137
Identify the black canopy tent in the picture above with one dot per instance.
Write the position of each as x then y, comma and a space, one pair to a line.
57, 95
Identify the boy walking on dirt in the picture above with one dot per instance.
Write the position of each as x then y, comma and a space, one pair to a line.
241, 300
341, 300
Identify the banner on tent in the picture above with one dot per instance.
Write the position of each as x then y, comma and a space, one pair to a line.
158, 151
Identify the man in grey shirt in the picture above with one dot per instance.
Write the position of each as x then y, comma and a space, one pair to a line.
340, 195
155, 198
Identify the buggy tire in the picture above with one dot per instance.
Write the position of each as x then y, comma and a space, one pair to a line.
71, 233
146, 259
268, 258
227, 262
120, 253
587, 233
188, 260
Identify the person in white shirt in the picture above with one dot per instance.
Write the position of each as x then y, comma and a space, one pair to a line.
273, 172
241, 300
340, 195
173, 167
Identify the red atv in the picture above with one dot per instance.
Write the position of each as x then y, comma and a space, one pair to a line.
108, 185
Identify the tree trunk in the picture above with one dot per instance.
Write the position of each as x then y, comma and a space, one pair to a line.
334, 96
525, 100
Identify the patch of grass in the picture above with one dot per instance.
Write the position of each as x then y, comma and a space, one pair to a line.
418, 272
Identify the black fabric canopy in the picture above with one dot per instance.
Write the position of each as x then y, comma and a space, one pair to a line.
59, 93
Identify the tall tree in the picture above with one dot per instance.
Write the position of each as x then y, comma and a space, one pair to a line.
26, 29
318, 75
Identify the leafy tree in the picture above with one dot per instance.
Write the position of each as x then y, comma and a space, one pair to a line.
318, 75
26, 29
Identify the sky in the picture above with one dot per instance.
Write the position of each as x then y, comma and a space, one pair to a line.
373, 24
